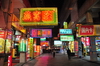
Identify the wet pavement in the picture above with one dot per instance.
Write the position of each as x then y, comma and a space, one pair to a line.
59, 60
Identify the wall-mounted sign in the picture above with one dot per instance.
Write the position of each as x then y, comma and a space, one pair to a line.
66, 37
38, 33
65, 31
38, 16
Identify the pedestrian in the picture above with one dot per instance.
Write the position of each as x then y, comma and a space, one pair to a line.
53, 53
69, 54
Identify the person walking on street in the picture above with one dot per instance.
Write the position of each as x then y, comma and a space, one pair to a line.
69, 54
53, 53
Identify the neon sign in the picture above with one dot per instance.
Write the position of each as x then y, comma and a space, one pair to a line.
38, 16
38, 33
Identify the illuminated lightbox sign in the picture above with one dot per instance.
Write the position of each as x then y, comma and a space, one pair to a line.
44, 43
57, 42
65, 31
42, 39
39, 33
38, 16
85, 30
67, 38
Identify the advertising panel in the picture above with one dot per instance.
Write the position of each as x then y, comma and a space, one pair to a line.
2, 40
8, 42
22, 46
40, 33
66, 37
38, 16
65, 31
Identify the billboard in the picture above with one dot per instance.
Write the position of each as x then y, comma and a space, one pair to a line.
38, 16
39, 33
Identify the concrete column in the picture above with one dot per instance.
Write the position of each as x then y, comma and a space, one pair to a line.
22, 57
93, 54
79, 48
10, 10
74, 13
89, 18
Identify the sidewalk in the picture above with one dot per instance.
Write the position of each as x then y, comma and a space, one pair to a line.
87, 58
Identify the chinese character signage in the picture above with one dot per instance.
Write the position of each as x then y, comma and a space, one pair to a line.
89, 30
66, 37
86, 30
39, 33
38, 16
65, 31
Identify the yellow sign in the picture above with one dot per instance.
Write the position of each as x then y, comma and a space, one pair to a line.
15, 23
38, 16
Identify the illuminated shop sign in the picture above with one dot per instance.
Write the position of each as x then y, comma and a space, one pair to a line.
65, 25
15, 23
38, 16
44, 43
57, 42
76, 45
65, 31
38, 33
2, 40
67, 38
90, 30
42, 39
86, 30
22, 46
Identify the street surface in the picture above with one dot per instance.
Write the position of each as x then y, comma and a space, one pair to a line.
59, 60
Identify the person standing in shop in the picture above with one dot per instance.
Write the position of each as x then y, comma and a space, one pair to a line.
69, 54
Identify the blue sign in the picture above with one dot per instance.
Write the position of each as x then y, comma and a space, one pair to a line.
65, 31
